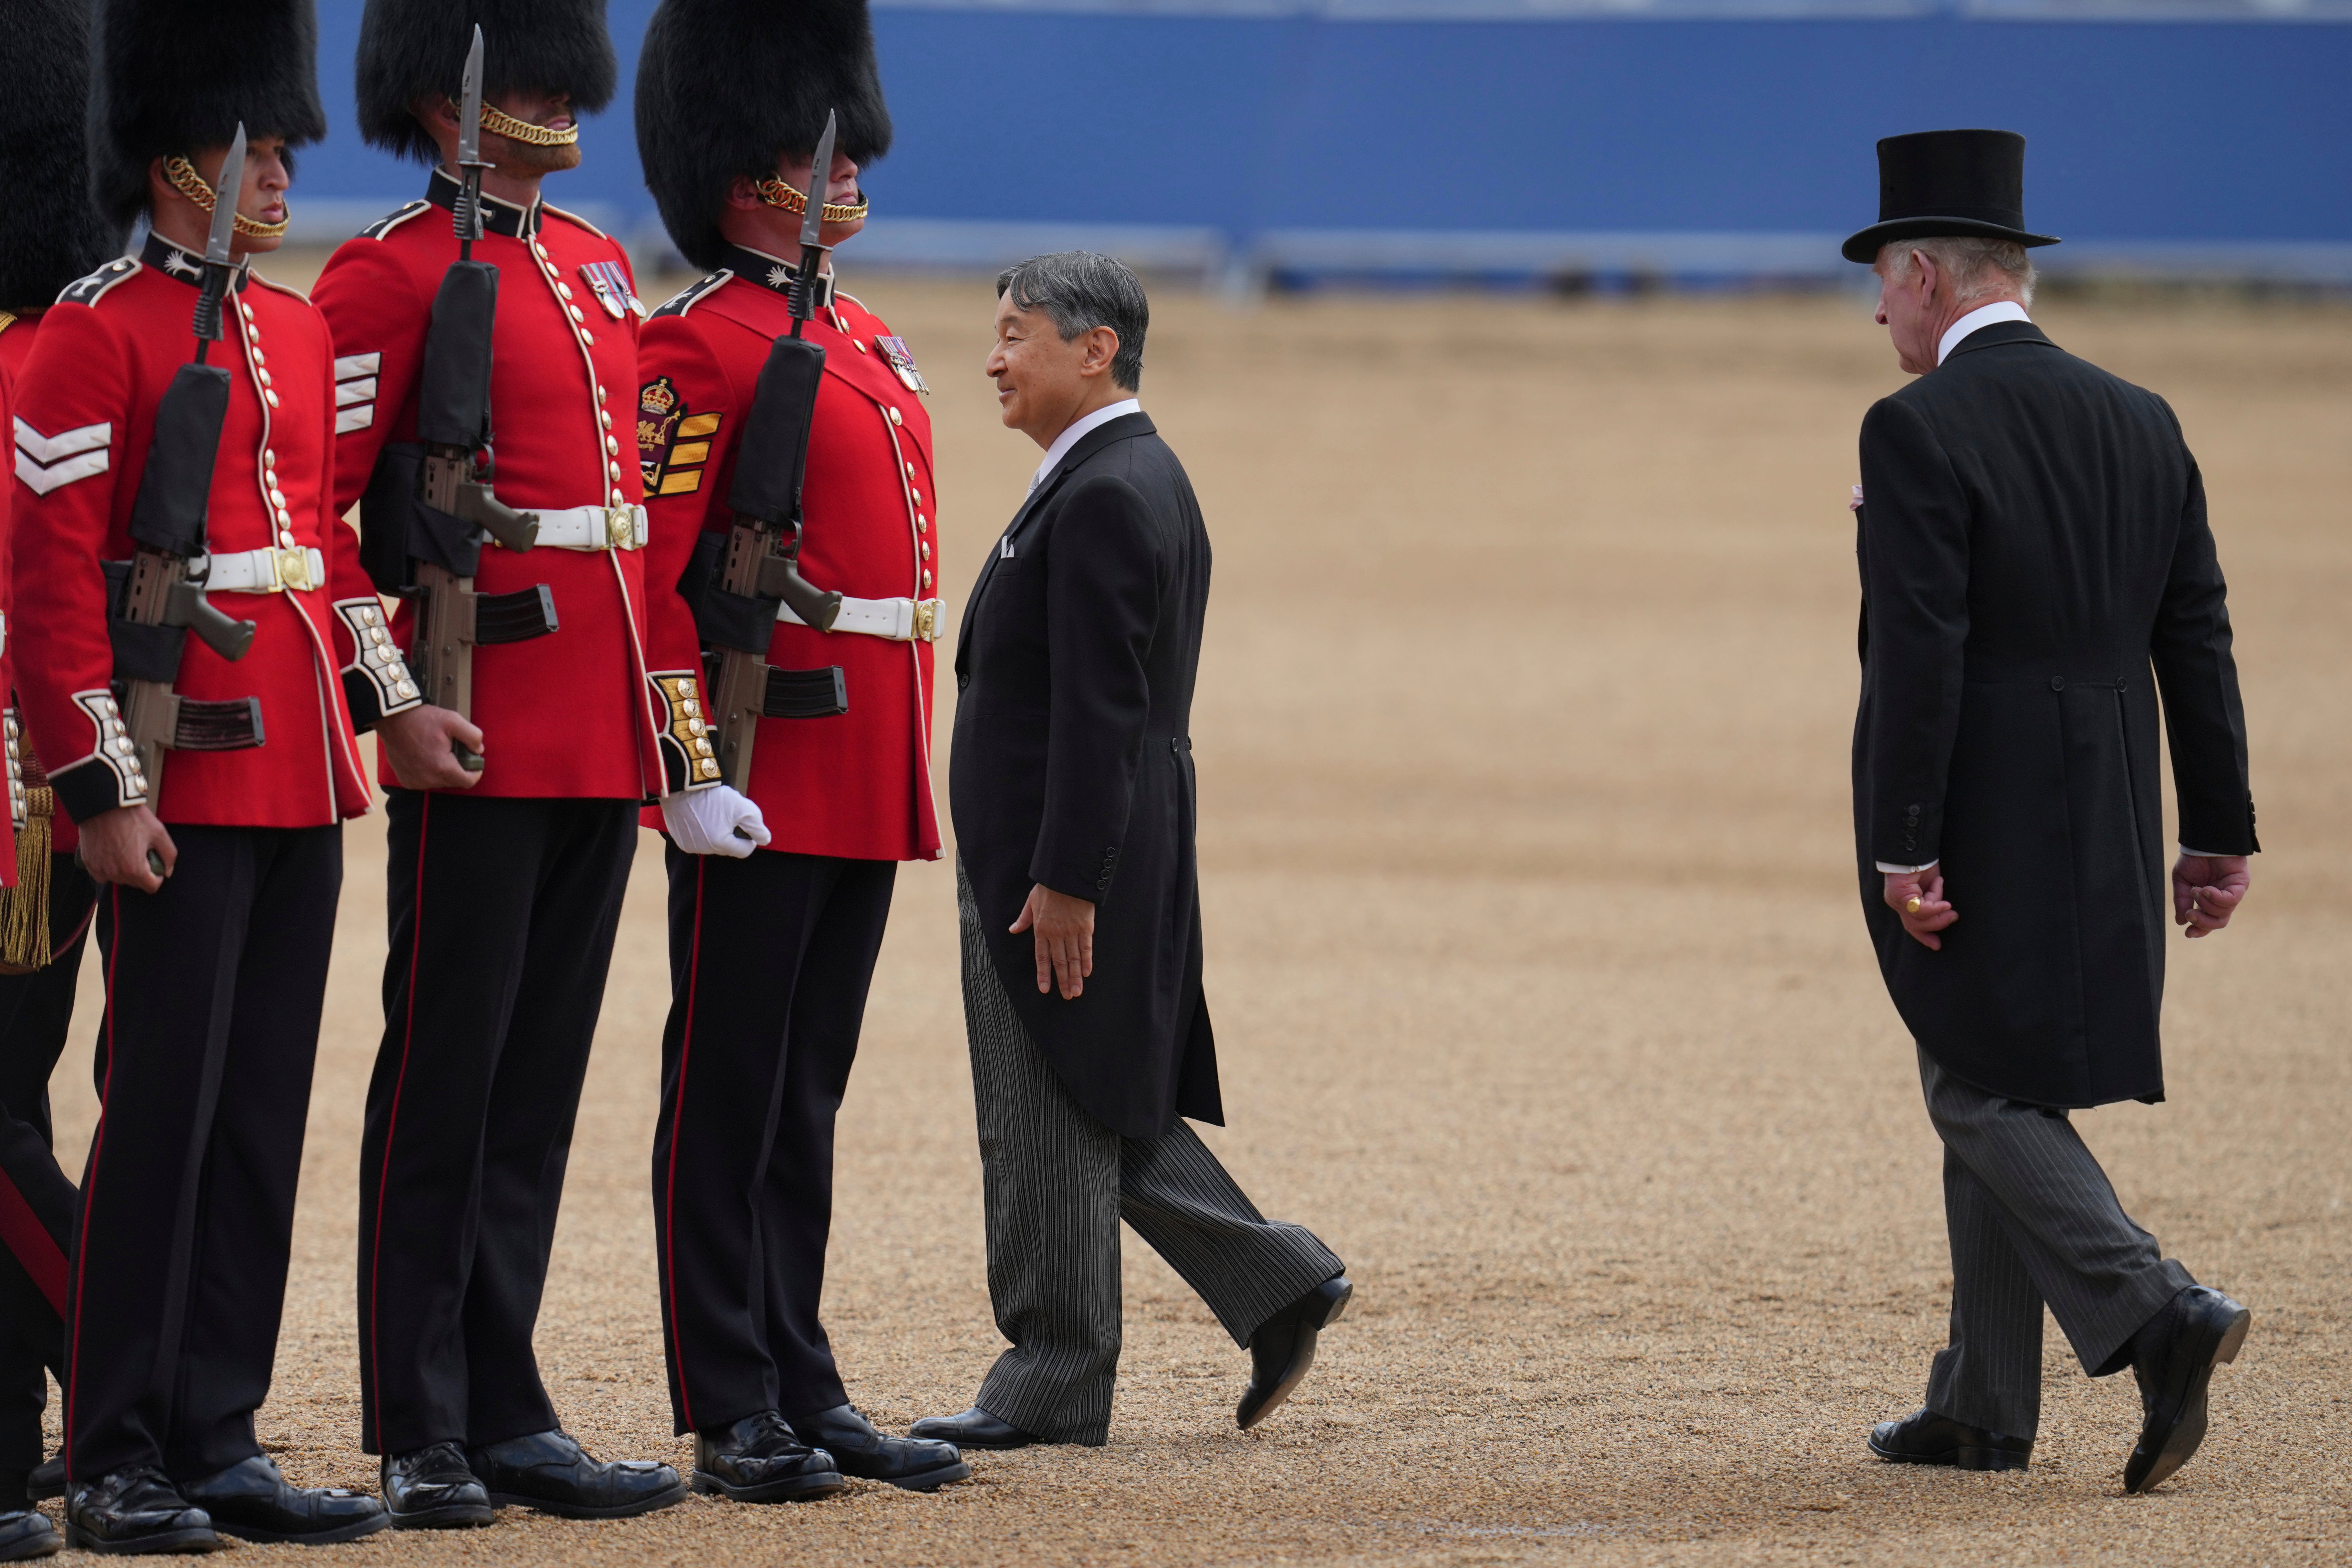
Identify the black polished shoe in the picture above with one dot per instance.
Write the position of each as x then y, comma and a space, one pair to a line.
252, 1501
1283, 1348
918, 1464
760, 1459
1924, 1438
550, 1472
431, 1488
975, 1429
135, 1508
2173, 1357
27, 1532
47, 1480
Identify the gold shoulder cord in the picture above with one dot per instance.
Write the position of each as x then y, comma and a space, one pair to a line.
777, 194
182, 174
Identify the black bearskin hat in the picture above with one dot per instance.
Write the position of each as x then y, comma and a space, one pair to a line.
176, 75
416, 48
50, 230
725, 86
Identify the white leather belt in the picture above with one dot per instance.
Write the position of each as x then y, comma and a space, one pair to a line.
267, 572
592, 528
897, 620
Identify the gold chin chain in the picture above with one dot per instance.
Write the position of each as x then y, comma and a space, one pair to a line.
191, 184
777, 194
500, 123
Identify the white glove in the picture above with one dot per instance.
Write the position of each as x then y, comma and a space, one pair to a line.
714, 821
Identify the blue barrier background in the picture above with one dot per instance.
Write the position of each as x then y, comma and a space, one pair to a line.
1713, 143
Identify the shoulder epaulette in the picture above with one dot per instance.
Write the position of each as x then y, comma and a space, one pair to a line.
90, 291
574, 219
281, 287
392, 220
686, 299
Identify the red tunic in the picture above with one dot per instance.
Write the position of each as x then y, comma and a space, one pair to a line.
857, 784
581, 712
84, 414
16, 342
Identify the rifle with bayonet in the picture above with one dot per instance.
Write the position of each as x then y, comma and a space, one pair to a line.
763, 544
428, 509
157, 596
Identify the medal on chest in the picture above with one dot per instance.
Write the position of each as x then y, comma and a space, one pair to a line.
611, 287
901, 361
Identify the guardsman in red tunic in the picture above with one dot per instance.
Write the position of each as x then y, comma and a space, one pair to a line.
50, 234
771, 949
505, 883
219, 857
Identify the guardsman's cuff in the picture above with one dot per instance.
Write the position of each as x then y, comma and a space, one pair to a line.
376, 683
689, 760
108, 775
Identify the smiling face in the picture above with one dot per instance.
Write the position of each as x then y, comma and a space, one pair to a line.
1044, 381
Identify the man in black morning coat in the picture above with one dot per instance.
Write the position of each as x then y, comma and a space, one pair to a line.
2037, 577
1071, 784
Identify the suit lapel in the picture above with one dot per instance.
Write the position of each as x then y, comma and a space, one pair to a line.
1094, 441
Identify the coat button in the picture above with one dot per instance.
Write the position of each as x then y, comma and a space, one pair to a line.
2057, 683
894, 417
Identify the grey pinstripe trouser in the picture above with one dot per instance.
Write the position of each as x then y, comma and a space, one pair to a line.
2033, 1220
1056, 1182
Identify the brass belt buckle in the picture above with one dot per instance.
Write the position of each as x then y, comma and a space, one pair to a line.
292, 569
926, 619
620, 527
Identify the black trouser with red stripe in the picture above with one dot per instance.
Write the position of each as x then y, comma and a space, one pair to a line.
503, 915
36, 1198
214, 986
770, 960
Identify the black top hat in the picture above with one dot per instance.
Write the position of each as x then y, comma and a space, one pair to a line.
700, 124
1937, 183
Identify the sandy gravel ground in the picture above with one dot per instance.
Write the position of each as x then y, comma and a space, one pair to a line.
1541, 995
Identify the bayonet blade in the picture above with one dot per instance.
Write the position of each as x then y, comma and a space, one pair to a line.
469, 112
820, 182
227, 188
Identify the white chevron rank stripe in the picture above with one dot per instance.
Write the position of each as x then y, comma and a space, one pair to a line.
45, 462
355, 392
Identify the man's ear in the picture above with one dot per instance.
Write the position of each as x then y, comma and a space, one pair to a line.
739, 193
1102, 347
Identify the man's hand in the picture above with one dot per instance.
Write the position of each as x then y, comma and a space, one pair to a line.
2207, 891
714, 821
1066, 939
1919, 897
115, 845
417, 744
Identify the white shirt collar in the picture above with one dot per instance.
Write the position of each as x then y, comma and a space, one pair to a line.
1076, 433
1982, 316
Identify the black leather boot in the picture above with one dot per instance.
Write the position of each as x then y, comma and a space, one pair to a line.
252, 1501
432, 1488
26, 1533
550, 1472
47, 1480
758, 1459
1924, 1438
917, 1464
972, 1428
1283, 1348
2173, 1357
132, 1510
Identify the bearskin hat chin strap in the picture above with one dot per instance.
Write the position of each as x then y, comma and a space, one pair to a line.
777, 194
192, 185
500, 124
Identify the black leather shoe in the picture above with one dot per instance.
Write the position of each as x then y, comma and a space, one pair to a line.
135, 1508
252, 1501
975, 1429
918, 1464
1283, 1348
760, 1459
1924, 1438
26, 1533
550, 1472
431, 1488
47, 1480
2173, 1357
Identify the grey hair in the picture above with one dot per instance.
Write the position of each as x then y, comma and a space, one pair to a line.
1976, 265
1082, 291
